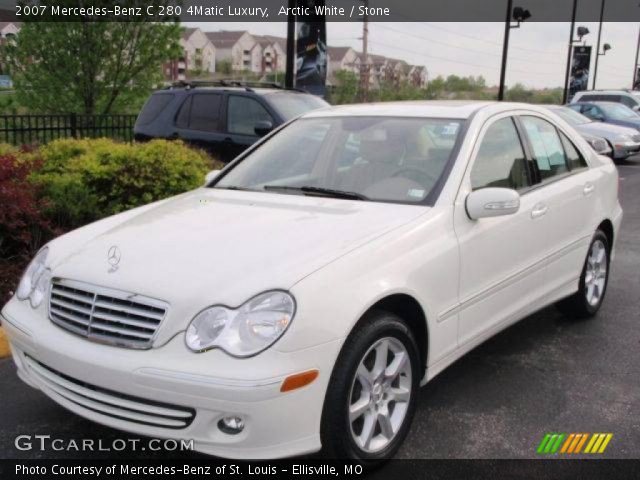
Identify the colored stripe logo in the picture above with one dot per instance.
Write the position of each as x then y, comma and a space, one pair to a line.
573, 443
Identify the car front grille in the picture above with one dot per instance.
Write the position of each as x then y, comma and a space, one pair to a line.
105, 402
105, 315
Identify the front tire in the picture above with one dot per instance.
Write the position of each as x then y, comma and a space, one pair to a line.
372, 394
594, 279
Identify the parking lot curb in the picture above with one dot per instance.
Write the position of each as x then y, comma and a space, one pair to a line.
4, 345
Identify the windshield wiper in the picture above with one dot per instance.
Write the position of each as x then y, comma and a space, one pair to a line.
325, 192
235, 187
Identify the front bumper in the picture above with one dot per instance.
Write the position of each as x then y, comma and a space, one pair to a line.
622, 150
165, 382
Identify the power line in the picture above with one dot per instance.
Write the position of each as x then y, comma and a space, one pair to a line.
455, 46
486, 67
542, 52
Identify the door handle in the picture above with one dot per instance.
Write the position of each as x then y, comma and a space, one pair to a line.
588, 188
539, 210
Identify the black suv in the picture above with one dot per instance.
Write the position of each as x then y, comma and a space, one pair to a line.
222, 117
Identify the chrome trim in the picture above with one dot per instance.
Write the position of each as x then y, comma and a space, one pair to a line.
127, 408
104, 315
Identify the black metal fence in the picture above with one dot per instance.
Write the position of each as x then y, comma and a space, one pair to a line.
39, 129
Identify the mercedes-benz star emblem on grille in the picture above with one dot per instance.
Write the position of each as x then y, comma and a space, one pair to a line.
113, 257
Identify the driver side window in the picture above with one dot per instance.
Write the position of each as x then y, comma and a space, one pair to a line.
500, 161
243, 114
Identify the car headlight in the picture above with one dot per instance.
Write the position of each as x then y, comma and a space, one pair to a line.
625, 138
35, 280
243, 331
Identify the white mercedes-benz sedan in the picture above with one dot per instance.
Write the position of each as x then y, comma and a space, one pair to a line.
301, 297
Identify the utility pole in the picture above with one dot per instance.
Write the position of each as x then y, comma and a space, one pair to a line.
635, 65
364, 65
505, 49
290, 75
565, 93
595, 70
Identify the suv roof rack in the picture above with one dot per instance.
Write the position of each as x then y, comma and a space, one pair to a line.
247, 85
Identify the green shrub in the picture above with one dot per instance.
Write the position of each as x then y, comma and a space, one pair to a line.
85, 180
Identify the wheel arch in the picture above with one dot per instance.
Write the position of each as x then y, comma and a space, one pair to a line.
409, 309
607, 228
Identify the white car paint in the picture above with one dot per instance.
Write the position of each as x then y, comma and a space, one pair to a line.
472, 278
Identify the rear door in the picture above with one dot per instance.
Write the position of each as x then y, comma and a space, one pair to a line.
563, 179
242, 115
199, 122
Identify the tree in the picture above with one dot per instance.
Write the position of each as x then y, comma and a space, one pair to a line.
224, 67
90, 66
346, 89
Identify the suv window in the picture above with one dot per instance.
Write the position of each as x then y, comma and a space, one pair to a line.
547, 147
154, 106
243, 113
201, 111
500, 161
574, 158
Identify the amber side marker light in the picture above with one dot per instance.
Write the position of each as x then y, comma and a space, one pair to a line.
299, 380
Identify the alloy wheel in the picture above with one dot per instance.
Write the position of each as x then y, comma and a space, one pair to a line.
596, 273
380, 394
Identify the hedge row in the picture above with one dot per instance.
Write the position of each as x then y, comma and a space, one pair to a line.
69, 183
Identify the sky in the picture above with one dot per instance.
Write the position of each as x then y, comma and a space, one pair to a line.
537, 52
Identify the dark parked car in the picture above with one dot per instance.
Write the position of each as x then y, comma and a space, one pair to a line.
224, 118
609, 112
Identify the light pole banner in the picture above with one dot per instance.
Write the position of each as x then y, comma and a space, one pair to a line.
311, 48
580, 64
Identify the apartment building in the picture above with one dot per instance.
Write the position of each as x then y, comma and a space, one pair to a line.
8, 30
381, 69
198, 57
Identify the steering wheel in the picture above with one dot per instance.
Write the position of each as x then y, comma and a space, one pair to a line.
421, 173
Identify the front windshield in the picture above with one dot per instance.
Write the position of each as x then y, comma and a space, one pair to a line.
571, 116
618, 112
291, 105
368, 158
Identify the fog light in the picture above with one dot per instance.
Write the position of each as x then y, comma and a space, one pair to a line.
231, 425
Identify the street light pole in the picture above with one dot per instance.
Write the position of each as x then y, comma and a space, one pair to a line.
505, 49
595, 70
635, 65
566, 75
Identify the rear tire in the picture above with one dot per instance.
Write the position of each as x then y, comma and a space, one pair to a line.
594, 279
372, 394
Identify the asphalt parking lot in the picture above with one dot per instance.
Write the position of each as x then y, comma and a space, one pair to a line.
545, 374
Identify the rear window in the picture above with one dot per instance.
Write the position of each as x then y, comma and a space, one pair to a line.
291, 105
154, 107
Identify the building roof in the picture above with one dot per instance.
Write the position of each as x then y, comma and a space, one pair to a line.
225, 38
338, 53
266, 40
6, 24
187, 32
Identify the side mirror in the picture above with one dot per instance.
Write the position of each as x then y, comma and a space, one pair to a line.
263, 127
492, 202
210, 176
636, 108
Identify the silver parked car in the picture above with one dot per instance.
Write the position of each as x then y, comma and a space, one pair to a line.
624, 141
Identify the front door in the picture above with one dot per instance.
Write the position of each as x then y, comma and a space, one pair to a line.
501, 258
243, 113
